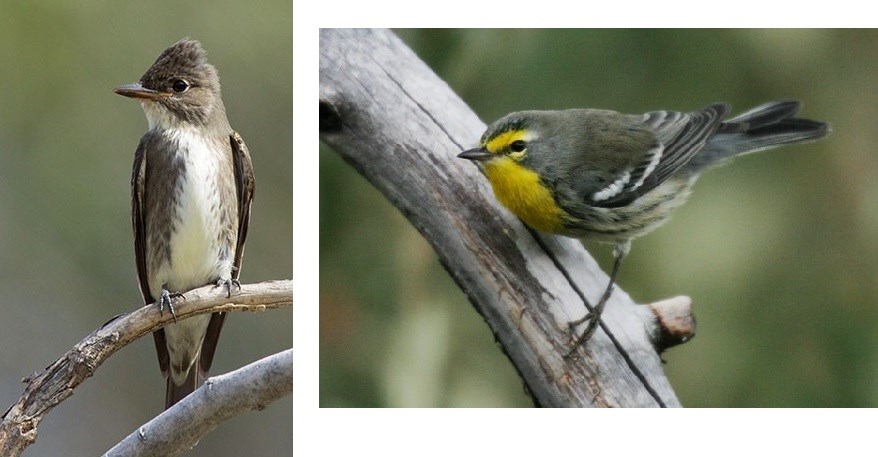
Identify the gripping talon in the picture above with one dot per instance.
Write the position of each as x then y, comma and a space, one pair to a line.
167, 299
228, 283
594, 316
573, 324
593, 321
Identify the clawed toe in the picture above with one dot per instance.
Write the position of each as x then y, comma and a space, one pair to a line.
593, 319
228, 283
167, 300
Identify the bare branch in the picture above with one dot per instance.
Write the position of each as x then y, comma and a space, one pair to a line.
219, 399
47, 389
389, 116
674, 322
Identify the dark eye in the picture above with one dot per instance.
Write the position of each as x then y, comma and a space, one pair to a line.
517, 146
180, 86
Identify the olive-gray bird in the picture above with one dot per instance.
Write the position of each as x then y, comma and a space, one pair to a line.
191, 191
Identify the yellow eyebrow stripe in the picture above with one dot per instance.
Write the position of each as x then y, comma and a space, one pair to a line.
504, 139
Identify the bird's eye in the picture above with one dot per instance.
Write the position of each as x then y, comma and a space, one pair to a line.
180, 86
517, 146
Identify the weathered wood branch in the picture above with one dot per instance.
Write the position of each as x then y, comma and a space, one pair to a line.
390, 117
46, 390
673, 322
222, 397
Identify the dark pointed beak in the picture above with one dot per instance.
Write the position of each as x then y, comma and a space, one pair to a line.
477, 155
136, 90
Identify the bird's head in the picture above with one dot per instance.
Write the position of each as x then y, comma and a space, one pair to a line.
179, 89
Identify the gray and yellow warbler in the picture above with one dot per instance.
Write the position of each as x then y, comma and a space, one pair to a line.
602, 175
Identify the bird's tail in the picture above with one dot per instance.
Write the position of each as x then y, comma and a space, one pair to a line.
200, 366
175, 393
764, 127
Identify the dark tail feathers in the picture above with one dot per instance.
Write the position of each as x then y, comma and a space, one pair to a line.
764, 127
175, 393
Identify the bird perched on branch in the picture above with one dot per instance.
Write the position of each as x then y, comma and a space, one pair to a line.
191, 191
612, 177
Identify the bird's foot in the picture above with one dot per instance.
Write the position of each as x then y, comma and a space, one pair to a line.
573, 324
167, 300
593, 319
229, 283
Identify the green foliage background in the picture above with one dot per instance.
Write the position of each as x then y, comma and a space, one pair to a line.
777, 250
66, 250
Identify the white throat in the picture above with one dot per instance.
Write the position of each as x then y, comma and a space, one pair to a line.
159, 118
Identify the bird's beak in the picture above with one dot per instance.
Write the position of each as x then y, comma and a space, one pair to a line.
136, 90
479, 154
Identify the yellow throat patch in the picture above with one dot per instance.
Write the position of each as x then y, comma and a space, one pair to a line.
521, 190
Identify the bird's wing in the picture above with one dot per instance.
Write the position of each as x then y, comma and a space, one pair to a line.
138, 214
245, 183
679, 137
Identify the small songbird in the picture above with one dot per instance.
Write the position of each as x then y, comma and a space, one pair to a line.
191, 191
602, 175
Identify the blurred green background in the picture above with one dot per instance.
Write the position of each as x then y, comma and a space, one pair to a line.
66, 249
777, 250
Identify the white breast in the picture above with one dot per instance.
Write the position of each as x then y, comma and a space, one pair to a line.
194, 239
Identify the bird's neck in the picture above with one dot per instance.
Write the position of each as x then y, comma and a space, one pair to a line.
161, 119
